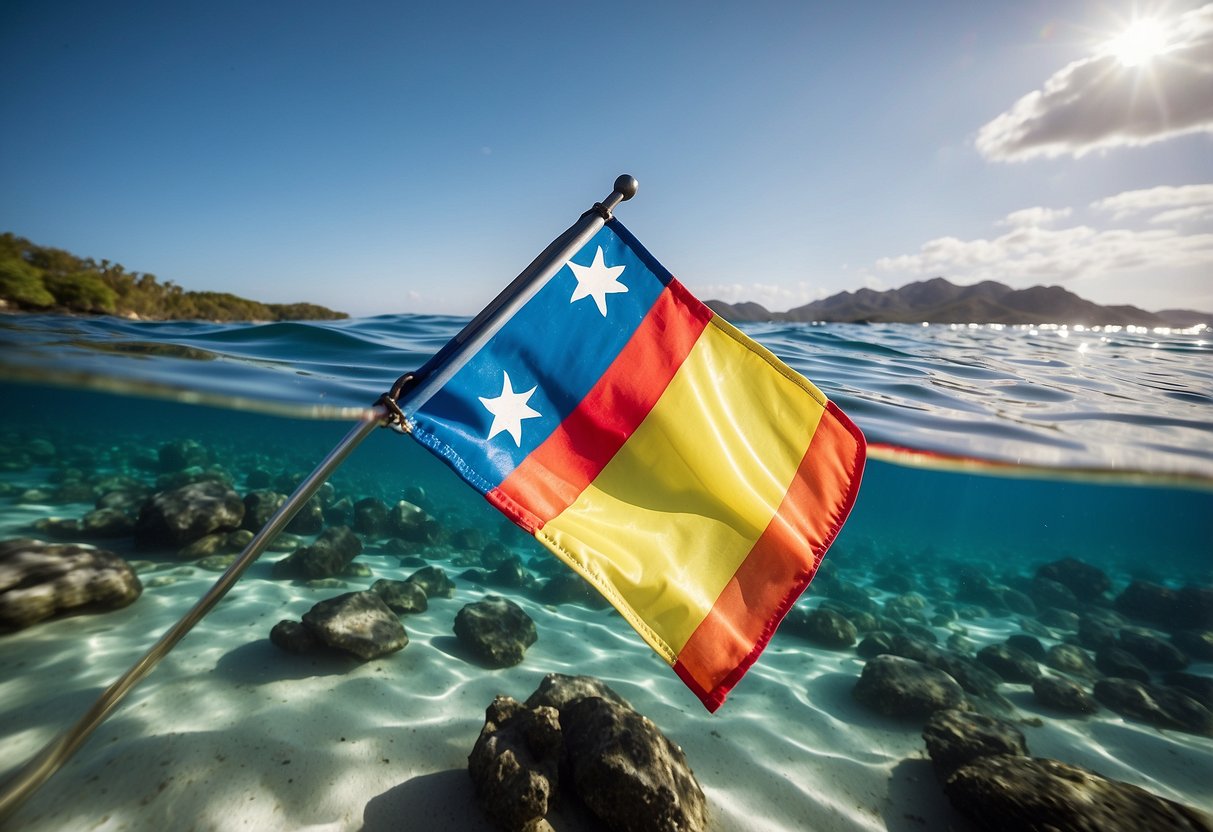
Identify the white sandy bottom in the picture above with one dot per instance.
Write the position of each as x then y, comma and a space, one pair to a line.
231, 733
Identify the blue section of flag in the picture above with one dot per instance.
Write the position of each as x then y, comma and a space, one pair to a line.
555, 345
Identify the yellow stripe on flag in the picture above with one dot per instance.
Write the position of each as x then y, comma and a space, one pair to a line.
668, 521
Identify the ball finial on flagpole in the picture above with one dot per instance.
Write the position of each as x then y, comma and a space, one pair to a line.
626, 185
625, 189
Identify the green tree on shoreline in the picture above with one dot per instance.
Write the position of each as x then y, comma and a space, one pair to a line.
37, 278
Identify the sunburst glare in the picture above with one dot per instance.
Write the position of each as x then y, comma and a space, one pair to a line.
1139, 43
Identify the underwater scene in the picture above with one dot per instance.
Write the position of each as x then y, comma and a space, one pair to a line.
1014, 629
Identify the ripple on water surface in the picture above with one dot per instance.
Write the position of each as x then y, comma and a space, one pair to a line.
1048, 396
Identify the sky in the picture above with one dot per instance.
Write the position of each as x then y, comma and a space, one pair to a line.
385, 157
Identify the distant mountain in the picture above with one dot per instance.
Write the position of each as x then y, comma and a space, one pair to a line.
942, 302
1185, 317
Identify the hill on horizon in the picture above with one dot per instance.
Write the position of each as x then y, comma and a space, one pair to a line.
37, 278
940, 301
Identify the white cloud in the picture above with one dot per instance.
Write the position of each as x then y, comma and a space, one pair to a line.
1185, 202
1034, 216
1029, 255
1098, 102
1177, 216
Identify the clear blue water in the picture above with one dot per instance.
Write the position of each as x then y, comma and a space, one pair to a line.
1055, 401
1104, 439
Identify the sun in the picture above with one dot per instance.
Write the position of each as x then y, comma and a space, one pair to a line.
1140, 42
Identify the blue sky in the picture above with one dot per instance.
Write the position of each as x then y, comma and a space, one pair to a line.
386, 157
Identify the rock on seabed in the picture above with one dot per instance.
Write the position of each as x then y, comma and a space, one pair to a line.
496, 630
180, 516
956, 738
576, 734
1159, 706
515, 764
401, 596
1012, 794
357, 622
331, 554
896, 686
434, 580
39, 580
627, 772
822, 626
1064, 695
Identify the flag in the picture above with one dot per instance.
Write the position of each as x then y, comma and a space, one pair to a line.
675, 464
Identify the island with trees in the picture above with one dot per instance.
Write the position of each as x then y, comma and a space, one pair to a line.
37, 278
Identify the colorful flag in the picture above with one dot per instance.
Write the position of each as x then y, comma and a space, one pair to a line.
678, 466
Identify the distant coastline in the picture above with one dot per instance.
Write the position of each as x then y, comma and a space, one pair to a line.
38, 279
942, 302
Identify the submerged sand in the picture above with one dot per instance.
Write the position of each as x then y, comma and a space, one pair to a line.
230, 732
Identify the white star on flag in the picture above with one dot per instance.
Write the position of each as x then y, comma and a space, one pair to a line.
597, 281
509, 409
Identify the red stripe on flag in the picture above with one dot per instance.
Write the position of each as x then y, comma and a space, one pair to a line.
554, 475
780, 564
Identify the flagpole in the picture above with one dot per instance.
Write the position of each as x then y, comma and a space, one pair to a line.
438, 370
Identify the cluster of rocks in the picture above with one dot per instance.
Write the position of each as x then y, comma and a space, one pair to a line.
366, 623
175, 503
1129, 653
1079, 649
576, 738
178, 501
985, 769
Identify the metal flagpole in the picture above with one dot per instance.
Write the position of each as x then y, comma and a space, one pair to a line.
386, 411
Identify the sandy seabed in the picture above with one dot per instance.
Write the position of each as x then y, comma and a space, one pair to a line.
230, 732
